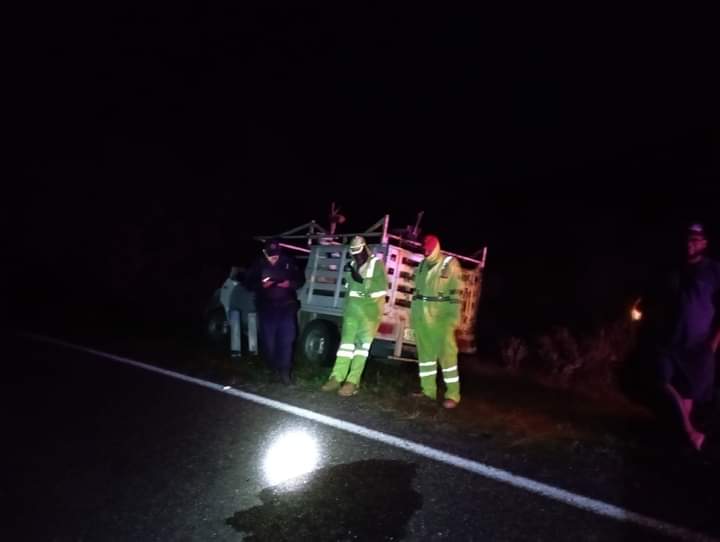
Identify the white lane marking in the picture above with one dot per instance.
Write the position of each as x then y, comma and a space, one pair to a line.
595, 506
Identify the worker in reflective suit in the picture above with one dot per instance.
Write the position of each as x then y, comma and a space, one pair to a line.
434, 315
366, 284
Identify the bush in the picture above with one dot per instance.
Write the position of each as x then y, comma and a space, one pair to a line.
513, 351
587, 360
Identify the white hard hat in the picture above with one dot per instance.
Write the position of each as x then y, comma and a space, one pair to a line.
357, 245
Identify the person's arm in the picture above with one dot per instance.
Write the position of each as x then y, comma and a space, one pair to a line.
455, 287
352, 271
378, 284
295, 278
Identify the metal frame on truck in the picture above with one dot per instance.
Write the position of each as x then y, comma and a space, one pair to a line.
323, 295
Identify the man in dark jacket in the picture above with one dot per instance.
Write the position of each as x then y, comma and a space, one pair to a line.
274, 278
680, 332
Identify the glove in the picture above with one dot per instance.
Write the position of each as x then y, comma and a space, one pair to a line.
356, 275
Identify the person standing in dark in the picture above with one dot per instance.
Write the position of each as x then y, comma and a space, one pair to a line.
274, 278
680, 332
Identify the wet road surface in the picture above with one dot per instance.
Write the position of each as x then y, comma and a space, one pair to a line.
100, 451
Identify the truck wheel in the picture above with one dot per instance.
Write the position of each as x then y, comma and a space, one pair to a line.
217, 328
319, 342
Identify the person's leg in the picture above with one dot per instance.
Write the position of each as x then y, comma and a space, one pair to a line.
367, 328
684, 409
235, 334
345, 352
671, 378
427, 358
284, 340
268, 331
449, 364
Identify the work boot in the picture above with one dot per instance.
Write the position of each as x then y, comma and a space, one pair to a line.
348, 389
285, 378
450, 403
331, 385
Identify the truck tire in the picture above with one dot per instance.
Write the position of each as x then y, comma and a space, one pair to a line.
318, 342
217, 328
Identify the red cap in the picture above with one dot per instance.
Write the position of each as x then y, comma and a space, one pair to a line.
430, 243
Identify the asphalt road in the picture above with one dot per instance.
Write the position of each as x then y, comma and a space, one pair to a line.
95, 450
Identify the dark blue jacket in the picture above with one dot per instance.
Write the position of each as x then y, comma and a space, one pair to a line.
285, 269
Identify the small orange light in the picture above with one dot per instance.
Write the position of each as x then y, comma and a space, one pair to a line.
635, 314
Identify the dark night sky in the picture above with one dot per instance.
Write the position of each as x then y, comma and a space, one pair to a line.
545, 133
